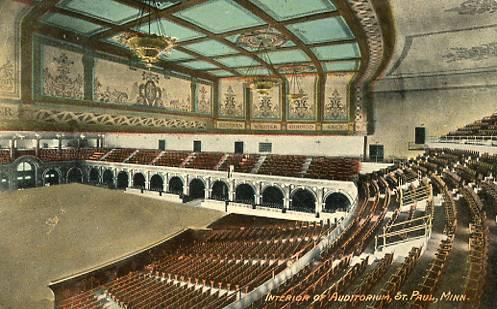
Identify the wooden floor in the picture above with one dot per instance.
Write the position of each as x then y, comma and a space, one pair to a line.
50, 233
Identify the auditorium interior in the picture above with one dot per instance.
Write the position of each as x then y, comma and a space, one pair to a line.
248, 154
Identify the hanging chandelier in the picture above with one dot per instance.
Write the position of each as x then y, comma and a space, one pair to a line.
149, 46
296, 73
261, 42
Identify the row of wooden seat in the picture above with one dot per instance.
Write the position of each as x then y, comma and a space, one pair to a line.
118, 154
204, 160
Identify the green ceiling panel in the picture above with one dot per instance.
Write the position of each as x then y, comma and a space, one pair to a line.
72, 24
172, 29
287, 56
322, 30
220, 16
351, 65
236, 61
199, 65
210, 48
177, 55
108, 10
288, 9
337, 52
220, 73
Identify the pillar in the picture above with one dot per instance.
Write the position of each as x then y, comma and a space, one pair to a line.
147, 180
37, 149
286, 199
12, 144
130, 179
186, 185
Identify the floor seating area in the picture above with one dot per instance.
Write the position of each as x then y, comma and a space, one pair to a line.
172, 158
207, 272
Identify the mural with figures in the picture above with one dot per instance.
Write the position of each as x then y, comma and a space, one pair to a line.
231, 100
303, 107
204, 101
140, 87
10, 19
336, 104
62, 73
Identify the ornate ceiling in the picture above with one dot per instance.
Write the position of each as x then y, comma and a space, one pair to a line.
321, 33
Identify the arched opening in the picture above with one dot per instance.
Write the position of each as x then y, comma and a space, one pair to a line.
25, 175
75, 175
196, 189
4, 182
122, 180
94, 176
220, 191
303, 200
51, 177
272, 197
244, 193
336, 202
175, 185
156, 183
108, 178
139, 181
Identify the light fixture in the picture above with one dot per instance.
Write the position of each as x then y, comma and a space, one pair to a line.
149, 46
296, 73
261, 42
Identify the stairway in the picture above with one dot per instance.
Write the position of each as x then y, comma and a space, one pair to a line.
190, 157
131, 156
258, 164
305, 166
158, 157
223, 159
107, 154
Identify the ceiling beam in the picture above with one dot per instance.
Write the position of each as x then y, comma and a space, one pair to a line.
168, 13
273, 23
108, 48
144, 19
73, 14
207, 59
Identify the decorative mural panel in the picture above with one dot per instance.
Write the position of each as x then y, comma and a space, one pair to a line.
231, 98
337, 98
304, 106
140, 87
11, 13
266, 106
204, 98
62, 73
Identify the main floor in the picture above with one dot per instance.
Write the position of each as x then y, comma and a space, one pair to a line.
54, 232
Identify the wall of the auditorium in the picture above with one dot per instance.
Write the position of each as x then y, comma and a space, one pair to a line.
397, 113
351, 146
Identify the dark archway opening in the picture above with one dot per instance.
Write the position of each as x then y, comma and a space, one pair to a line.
220, 191
75, 176
272, 197
196, 189
139, 181
303, 200
156, 183
175, 186
94, 176
122, 180
4, 182
336, 202
108, 178
25, 175
245, 194
51, 177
